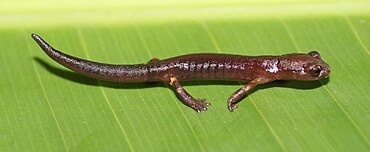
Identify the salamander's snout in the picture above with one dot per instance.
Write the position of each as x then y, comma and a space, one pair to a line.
325, 73
322, 72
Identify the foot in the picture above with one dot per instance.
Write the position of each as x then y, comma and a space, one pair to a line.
200, 105
232, 107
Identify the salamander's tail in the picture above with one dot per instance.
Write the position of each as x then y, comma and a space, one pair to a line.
101, 71
45, 46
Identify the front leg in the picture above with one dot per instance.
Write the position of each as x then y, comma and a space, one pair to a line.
243, 91
196, 104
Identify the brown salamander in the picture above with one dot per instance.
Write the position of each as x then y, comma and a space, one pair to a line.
254, 69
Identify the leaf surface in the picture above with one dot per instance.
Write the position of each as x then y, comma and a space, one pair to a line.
44, 106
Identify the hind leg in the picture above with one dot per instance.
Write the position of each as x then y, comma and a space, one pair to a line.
196, 104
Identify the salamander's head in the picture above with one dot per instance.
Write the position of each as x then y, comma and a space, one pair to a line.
306, 67
318, 69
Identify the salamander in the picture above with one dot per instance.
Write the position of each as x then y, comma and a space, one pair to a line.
254, 70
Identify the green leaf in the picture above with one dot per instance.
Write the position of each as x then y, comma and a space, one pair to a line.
45, 107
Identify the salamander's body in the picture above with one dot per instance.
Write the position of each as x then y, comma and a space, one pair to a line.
255, 69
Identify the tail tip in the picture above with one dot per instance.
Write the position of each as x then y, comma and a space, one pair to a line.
44, 45
34, 35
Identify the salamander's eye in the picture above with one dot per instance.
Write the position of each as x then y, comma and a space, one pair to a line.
316, 70
315, 54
